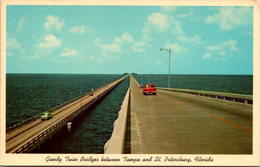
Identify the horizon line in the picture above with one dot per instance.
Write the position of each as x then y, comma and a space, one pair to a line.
121, 73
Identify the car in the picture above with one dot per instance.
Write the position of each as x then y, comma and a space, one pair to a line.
46, 116
91, 92
149, 89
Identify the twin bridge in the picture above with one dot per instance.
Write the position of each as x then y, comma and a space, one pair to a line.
175, 121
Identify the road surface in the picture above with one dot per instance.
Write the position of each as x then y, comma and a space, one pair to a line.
175, 123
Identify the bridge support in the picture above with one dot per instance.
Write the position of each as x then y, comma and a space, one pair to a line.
63, 114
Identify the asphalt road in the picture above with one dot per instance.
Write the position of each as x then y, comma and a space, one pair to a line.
175, 123
23, 135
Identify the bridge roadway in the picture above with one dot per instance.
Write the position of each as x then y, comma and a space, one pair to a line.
25, 134
175, 123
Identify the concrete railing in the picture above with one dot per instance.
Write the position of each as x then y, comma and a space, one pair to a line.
248, 99
33, 118
59, 124
136, 82
115, 145
30, 145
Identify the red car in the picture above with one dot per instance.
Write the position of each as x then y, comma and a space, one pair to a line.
149, 89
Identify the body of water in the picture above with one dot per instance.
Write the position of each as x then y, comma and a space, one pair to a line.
241, 84
30, 94
92, 129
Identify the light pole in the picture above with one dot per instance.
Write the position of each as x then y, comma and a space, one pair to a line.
169, 51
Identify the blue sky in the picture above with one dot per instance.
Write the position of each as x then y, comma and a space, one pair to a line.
118, 39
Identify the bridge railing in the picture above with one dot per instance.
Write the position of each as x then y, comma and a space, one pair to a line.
115, 145
248, 99
33, 118
59, 124
44, 133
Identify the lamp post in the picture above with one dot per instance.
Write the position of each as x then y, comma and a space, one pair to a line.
169, 51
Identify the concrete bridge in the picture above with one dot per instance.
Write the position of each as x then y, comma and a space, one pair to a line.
182, 122
32, 132
175, 121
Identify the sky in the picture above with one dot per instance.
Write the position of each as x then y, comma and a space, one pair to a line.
119, 39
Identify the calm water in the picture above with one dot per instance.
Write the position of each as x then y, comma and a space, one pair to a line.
241, 84
92, 129
30, 94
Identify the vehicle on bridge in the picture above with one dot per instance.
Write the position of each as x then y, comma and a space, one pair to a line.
46, 116
149, 89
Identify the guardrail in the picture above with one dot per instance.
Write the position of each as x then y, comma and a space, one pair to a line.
248, 99
33, 118
115, 145
136, 82
61, 123
26, 146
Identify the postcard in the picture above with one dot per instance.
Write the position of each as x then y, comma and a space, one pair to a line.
130, 83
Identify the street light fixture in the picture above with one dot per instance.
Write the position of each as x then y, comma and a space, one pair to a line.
169, 51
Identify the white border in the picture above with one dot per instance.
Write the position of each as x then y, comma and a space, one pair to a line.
219, 160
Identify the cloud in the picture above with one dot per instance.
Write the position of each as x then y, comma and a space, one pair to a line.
113, 47
184, 15
176, 48
207, 56
53, 23
97, 41
214, 47
36, 56
223, 49
229, 18
78, 29
176, 27
138, 46
91, 57
12, 43
96, 59
50, 42
116, 45
68, 53
146, 31
196, 39
20, 25
159, 23
124, 38
229, 45
108, 48
155, 22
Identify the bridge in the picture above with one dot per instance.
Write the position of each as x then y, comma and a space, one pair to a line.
29, 134
175, 121
182, 122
